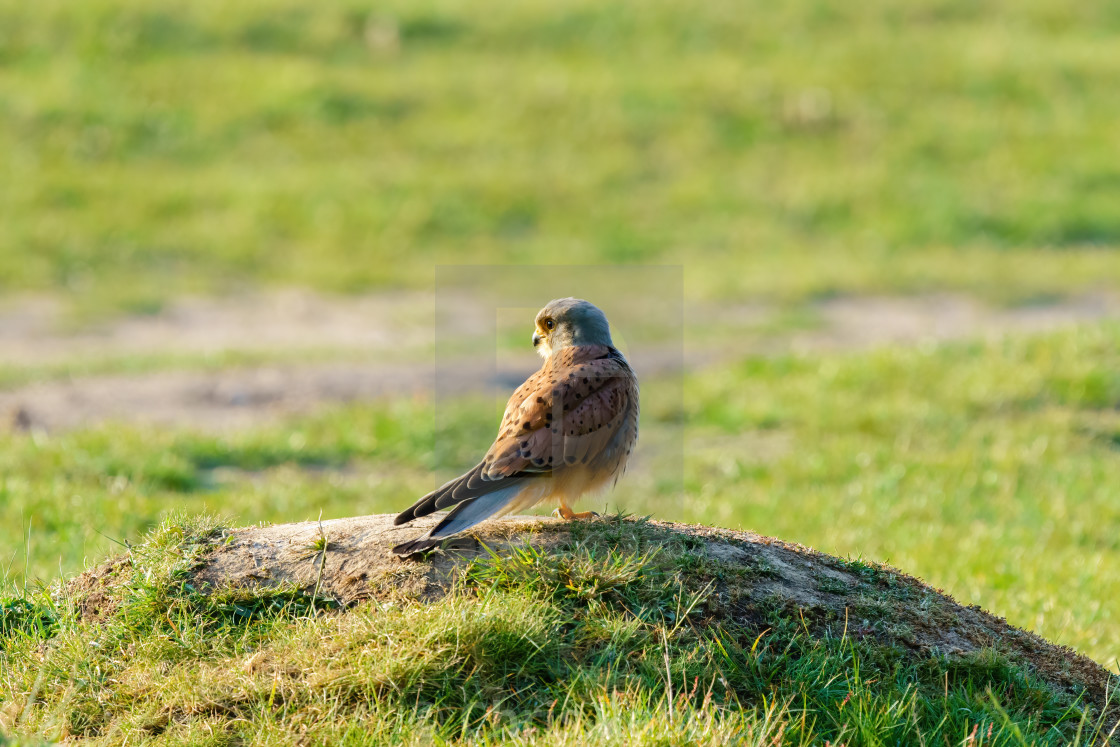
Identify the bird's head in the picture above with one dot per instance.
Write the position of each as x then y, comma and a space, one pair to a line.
570, 321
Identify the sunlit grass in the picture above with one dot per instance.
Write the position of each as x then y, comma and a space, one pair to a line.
989, 469
595, 642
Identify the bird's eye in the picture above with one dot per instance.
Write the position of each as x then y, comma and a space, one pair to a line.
549, 324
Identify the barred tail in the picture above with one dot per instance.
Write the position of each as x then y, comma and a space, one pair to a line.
465, 515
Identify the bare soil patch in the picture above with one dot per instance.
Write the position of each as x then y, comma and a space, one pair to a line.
856, 323
41, 331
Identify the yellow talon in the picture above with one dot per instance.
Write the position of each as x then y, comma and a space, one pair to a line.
568, 514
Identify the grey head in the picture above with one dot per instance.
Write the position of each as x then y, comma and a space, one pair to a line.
570, 321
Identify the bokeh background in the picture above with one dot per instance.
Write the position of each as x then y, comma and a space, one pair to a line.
897, 227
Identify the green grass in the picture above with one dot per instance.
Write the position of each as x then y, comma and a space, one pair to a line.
75, 491
597, 642
778, 150
14, 374
987, 469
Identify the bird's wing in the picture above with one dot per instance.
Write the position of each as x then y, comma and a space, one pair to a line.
564, 414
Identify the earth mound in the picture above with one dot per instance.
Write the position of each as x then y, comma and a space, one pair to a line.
747, 577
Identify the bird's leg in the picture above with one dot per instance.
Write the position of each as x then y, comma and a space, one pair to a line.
568, 514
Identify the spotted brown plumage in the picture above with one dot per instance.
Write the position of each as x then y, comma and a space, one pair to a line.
567, 431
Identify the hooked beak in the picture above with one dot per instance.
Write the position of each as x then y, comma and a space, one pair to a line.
536, 339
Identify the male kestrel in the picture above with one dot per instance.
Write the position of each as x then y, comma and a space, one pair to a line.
568, 430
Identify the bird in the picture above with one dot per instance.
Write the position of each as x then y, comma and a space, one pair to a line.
569, 430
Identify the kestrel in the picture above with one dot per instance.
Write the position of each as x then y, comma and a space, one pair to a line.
568, 430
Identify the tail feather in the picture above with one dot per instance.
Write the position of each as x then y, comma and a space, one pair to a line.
465, 515
472, 484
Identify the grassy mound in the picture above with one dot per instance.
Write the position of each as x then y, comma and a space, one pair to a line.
607, 632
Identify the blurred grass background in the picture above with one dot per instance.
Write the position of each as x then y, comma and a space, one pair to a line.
783, 153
